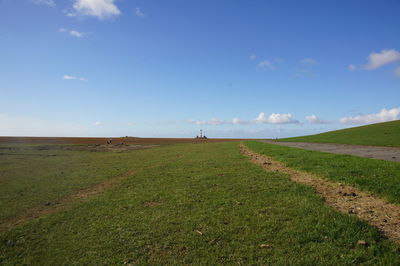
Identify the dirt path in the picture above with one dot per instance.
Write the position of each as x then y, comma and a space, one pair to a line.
382, 153
347, 199
53, 207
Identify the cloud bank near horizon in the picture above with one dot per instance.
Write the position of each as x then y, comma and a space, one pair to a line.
385, 115
274, 118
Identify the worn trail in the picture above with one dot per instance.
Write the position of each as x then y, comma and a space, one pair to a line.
375, 152
53, 207
347, 199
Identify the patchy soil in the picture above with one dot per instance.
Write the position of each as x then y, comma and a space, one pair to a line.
382, 153
70, 147
151, 203
53, 207
101, 141
34, 150
103, 148
347, 199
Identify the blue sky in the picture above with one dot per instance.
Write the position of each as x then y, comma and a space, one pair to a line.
168, 68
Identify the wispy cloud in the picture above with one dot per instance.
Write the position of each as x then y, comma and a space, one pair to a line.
97, 123
309, 61
44, 2
68, 77
139, 13
237, 121
252, 56
383, 116
102, 9
74, 33
265, 64
376, 60
352, 67
212, 121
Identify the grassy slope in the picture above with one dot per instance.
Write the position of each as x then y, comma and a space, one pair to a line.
211, 188
377, 176
382, 134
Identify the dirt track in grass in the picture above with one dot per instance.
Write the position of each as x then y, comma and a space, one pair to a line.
376, 211
382, 153
56, 206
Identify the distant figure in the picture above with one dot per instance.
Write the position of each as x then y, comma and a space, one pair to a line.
109, 141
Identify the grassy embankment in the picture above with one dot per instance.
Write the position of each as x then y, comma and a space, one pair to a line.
382, 134
202, 203
379, 177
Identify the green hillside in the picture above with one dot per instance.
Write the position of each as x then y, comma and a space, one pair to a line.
381, 134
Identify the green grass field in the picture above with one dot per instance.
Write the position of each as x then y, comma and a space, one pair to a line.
377, 176
382, 134
32, 175
192, 203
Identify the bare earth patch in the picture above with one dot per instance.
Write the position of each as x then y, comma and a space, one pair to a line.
53, 207
347, 199
151, 203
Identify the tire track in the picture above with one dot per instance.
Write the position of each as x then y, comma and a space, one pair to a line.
50, 208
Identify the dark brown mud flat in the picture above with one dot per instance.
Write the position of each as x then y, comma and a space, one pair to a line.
125, 140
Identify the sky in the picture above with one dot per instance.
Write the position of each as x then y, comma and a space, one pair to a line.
234, 68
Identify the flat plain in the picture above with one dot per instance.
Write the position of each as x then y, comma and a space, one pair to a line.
177, 203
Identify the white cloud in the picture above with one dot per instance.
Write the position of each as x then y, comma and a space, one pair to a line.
313, 119
68, 77
309, 61
74, 33
101, 9
383, 116
265, 64
44, 2
237, 121
98, 123
352, 67
275, 118
397, 72
376, 60
139, 12
252, 56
